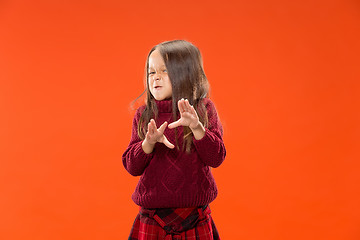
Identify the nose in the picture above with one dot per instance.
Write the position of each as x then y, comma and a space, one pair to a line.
157, 76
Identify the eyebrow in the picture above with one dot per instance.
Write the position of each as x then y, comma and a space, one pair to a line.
160, 67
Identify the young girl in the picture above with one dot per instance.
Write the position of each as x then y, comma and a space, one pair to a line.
174, 160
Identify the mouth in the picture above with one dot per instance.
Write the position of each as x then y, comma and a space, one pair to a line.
157, 87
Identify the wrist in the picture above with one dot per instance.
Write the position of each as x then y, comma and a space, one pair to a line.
147, 146
197, 127
198, 131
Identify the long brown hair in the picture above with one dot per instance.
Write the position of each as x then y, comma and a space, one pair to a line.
184, 64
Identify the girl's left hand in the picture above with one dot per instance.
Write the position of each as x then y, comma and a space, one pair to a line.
188, 116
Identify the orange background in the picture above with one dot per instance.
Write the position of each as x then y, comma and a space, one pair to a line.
284, 78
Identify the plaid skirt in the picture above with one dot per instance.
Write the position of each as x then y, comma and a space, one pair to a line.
174, 224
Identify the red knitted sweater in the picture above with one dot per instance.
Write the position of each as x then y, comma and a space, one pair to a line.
171, 178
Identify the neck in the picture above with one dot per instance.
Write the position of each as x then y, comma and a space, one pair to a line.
164, 105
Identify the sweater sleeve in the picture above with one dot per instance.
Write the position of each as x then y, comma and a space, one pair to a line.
211, 148
135, 160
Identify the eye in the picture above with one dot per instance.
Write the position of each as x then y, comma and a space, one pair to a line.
164, 70
151, 73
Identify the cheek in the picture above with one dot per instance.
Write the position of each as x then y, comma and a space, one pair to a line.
170, 88
168, 82
150, 82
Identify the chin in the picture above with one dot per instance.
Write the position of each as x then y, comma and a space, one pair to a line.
158, 98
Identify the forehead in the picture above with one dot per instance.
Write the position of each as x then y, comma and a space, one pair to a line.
156, 60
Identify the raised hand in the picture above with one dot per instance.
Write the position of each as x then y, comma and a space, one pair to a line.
188, 116
155, 135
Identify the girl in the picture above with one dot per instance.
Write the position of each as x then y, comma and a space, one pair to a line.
174, 160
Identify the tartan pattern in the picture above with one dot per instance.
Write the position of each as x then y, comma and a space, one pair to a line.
174, 224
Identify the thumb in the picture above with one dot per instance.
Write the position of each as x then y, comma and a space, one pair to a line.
167, 143
162, 127
175, 124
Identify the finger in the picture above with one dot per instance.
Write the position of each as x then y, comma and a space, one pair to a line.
180, 105
190, 107
147, 136
193, 111
186, 104
162, 127
167, 143
152, 130
149, 130
152, 126
175, 124
183, 105
153, 123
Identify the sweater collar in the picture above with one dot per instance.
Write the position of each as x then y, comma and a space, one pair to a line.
164, 105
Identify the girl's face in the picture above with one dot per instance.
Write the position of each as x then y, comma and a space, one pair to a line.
159, 81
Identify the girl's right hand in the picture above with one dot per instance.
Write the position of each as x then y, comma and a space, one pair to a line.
155, 134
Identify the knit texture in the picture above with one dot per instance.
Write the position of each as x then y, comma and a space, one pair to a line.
172, 178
